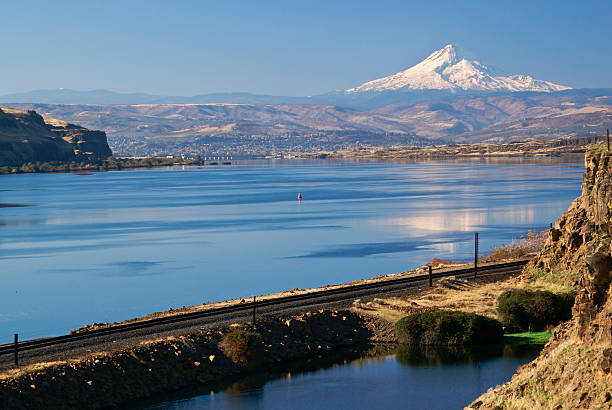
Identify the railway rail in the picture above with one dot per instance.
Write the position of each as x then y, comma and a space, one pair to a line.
306, 299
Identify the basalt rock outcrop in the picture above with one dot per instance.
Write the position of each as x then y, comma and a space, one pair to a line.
26, 137
575, 368
581, 239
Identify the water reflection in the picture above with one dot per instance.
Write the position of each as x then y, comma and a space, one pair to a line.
360, 250
251, 386
465, 220
439, 220
381, 376
22, 222
441, 356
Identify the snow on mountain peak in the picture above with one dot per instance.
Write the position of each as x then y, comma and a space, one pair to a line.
446, 55
445, 70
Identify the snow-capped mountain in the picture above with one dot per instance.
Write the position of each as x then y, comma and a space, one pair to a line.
445, 70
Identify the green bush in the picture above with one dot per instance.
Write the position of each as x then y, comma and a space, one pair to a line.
525, 310
448, 328
243, 347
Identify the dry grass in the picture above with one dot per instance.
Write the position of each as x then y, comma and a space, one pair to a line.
599, 148
28, 369
526, 245
9, 110
448, 294
55, 122
557, 281
541, 384
460, 294
441, 263
389, 309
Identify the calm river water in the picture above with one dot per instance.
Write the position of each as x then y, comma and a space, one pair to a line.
108, 246
408, 379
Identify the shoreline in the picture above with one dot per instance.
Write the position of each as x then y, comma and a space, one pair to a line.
163, 364
529, 149
546, 148
112, 164
106, 379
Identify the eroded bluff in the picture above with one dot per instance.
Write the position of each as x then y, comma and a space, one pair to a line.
26, 137
574, 369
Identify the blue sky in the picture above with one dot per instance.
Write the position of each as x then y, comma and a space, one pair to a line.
290, 47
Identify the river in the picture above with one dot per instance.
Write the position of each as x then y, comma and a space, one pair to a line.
107, 246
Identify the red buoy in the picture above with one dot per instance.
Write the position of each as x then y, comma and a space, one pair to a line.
300, 195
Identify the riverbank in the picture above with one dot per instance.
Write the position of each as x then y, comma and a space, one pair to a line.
548, 148
114, 376
110, 378
110, 164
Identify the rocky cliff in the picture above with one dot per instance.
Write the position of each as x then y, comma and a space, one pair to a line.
26, 137
575, 368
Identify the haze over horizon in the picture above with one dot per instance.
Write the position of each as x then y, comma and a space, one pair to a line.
289, 49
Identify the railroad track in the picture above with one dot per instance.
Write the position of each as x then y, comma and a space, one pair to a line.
314, 297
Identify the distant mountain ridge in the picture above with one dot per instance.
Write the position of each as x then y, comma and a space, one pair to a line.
68, 96
483, 117
443, 72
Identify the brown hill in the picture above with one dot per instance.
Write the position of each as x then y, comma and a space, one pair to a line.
26, 137
507, 117
189, 120
479, 118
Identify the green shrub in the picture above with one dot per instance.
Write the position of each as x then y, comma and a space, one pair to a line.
242, 346
448, 328
526, 310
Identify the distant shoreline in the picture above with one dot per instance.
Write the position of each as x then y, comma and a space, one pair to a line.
549, 148
112, 164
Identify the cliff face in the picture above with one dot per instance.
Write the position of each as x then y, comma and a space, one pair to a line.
575, 368
26, 137
581, 241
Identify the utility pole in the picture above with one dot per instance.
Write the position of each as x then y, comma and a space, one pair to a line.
254, 310
16, 350
475, 253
